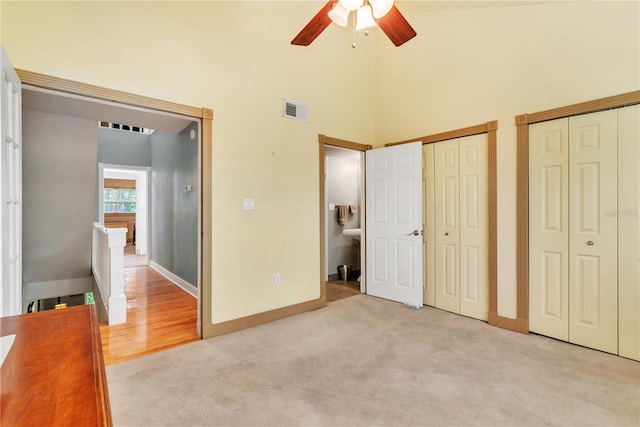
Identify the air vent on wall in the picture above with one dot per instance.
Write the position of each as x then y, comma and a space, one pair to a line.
293, 110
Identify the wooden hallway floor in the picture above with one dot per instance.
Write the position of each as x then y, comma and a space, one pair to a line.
339, 289
160, 315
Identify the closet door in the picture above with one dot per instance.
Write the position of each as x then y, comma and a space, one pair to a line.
593, 233
428, 241
548, 228
629, 231
447, 229
474, 223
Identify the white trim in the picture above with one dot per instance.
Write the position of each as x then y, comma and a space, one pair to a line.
327, 214
11, 300
363, 225
200, 229
181, 283
124, 168
101, 193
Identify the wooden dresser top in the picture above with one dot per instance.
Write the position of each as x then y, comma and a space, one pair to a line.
54, 373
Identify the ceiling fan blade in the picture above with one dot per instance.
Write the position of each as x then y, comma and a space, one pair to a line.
317, 25
396, 27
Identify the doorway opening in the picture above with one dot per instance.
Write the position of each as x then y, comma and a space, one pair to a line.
342, 221
118, 107
123, 200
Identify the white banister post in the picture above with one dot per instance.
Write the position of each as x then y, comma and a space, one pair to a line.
117, 239
94, 245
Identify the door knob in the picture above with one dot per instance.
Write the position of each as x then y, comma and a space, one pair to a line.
414, 233
590, 243
446, 234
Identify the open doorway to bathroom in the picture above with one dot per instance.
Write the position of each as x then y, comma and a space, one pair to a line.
343, 214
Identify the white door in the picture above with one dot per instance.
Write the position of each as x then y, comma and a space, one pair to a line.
429, 221
394, 223
593, 234
629, 231
11, 172
549, 229
460, 223
447, 227
573, 232
474, 227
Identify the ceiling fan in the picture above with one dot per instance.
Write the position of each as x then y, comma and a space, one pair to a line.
369, 13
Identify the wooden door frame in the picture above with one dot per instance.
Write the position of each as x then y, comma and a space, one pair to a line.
521, 322
204, 115
491, 129
323, 141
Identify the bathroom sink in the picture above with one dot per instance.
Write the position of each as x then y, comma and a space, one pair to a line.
353, 232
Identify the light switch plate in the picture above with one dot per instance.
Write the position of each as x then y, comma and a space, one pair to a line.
332, 206
249, 204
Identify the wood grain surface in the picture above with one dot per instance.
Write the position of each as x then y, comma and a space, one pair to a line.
54, 373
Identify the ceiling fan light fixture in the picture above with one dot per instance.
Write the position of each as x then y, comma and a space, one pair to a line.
339, 15
364, 18
351, 4
380, 7
393, 24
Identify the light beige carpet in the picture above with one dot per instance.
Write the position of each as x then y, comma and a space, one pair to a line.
363, 361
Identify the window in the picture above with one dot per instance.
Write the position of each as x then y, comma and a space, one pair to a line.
119, 200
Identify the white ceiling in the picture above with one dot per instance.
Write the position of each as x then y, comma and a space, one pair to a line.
86, 108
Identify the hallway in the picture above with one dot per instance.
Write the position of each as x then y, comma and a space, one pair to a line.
160, 315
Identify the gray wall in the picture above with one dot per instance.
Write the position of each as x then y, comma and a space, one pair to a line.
123, 148
174, 212
343, 188
58, 187
185, 225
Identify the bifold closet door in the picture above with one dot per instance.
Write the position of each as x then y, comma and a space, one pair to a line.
428, 212
461, 225
593, 232
474, 224
628, 214
447, 228
573, 237
548, 228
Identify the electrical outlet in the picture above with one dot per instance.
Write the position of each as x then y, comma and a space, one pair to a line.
278, 279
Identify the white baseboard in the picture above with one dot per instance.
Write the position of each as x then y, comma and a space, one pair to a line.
186, 286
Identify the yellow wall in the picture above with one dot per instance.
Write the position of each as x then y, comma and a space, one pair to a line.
467, 67
236, 58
